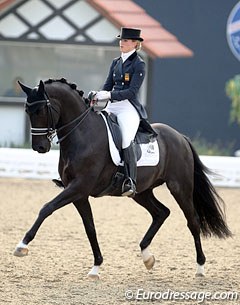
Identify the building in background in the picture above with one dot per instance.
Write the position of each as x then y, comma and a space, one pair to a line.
75, 39
189, 94
186, 50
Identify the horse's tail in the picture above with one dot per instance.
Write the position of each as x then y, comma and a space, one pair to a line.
207, 203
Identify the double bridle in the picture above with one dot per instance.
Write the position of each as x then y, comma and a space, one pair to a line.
51, 131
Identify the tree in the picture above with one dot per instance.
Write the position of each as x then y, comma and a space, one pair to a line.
232, 89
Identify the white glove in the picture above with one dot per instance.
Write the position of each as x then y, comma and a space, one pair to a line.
92, 95
103, 95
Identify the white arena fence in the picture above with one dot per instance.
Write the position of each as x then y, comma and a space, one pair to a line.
25, 163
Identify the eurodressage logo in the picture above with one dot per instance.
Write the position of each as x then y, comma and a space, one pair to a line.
233, 30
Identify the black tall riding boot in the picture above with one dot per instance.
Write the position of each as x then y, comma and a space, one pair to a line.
130, 170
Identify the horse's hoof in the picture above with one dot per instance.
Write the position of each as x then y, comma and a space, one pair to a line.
199, 275
20, 252
149, 263
93, 277
93, 273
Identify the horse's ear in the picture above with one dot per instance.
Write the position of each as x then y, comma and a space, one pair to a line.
25, 89
41, 87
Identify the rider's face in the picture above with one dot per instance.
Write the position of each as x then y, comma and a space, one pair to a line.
127, 45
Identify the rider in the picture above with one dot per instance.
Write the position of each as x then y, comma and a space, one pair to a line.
121, 90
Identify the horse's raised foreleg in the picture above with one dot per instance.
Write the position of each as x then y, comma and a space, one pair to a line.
70, 194
159, 213
85, 211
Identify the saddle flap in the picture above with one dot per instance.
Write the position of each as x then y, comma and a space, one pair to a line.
145, 133
114, 128
147, 153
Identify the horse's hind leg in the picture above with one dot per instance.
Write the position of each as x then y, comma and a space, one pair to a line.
159, 213
84, 209
183, 196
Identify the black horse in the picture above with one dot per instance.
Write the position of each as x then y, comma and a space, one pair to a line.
86, 169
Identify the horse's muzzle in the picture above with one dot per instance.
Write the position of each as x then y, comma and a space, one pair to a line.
41, 146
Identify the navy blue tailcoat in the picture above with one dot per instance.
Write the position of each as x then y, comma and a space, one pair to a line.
125, 79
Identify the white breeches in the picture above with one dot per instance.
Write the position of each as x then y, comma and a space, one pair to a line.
128, 119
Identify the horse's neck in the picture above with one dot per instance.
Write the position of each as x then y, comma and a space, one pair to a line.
88, 130
69, 104
71, 111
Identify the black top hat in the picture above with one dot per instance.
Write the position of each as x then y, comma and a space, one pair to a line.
129, 33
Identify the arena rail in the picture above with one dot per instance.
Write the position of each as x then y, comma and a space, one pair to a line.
25, 163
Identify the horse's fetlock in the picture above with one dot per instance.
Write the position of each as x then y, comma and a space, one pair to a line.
28, 237
98, 261
201, 260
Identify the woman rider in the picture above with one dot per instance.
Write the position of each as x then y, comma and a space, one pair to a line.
121, 90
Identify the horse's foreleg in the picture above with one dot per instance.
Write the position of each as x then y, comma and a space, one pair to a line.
85, 211
65, 197
159, 213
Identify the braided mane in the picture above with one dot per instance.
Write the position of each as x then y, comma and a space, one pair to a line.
64, 81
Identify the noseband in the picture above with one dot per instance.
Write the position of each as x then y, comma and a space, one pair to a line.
51, 130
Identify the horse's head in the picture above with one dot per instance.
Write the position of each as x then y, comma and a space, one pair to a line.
54, 106
40, 112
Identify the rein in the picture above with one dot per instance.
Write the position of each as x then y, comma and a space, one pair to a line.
51, 131
81, 117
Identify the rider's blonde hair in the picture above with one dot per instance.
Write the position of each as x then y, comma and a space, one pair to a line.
138, 46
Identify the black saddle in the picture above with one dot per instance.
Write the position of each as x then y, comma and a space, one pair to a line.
145, 133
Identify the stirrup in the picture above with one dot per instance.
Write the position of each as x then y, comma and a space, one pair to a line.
128, 188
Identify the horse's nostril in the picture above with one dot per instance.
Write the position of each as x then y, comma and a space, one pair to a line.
41, 149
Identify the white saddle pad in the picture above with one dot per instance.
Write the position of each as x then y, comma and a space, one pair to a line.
150, 151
